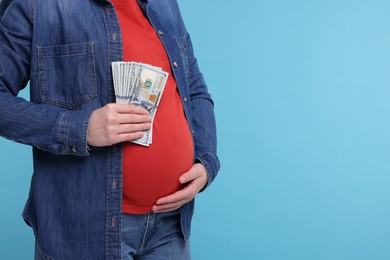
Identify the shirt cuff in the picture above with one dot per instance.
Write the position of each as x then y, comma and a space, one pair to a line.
74, 132
211, 164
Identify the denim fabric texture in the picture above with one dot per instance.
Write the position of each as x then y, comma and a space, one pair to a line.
64, 48
159, 237
149, 237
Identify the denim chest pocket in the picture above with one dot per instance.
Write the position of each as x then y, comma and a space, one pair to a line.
182, 42
66, 74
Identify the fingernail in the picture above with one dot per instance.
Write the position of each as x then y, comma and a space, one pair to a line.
182, 179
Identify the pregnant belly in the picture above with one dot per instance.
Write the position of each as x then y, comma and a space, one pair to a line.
150, 173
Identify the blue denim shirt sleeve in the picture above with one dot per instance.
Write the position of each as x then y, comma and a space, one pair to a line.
204, 126
44, 126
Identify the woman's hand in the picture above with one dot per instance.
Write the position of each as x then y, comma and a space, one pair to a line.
116, 123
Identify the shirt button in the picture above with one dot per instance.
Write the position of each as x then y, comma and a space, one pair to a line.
74, 149
161, 33
175, 64
185, 99
192, 132
114, 185
113, 222
114, 36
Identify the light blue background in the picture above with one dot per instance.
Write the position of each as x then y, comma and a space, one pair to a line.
302, 103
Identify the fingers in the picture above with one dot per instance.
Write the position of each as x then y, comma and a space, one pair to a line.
131, 118
132, 128
169, 207
187, 193
192, 174
123, 113
195, 179
174, 201
128, 137
196, 171
127, 109
115, 123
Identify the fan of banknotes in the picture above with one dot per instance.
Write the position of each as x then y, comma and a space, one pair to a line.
139, 84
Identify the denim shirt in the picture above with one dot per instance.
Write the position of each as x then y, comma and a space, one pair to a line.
64, 48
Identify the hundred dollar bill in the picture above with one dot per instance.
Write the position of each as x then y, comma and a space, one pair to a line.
121, 82
141, 85
150, 83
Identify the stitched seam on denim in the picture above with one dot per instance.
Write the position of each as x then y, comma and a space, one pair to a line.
182, 42
62, 133
69, 106
88, 94
207, 168
64, 49
144, 238
107, 245
31, 11
42, 254
113, 198
84, 135
92, 68
70, 54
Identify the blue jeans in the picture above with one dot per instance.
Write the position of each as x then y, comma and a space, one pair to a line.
150, 237
153, 237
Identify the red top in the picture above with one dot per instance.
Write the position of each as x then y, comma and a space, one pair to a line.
153, 172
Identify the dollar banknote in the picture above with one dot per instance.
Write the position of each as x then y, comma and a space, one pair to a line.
141, 85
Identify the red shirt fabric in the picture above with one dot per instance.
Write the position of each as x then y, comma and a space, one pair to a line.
153, 172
